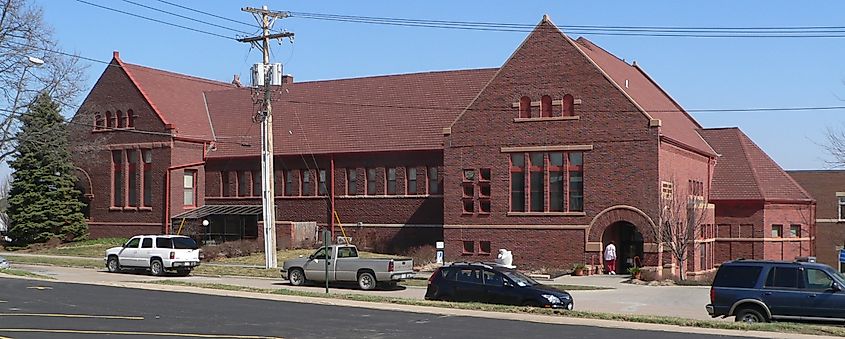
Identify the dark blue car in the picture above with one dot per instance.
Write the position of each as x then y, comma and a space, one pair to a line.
489, 283
760, 291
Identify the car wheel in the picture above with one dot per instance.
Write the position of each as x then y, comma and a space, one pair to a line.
297, 277
113, 265
366, 281
750, 315
156, 267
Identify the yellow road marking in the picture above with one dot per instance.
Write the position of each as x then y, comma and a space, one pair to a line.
159, 334
40, 288
58, 315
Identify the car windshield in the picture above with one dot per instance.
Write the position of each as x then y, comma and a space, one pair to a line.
519, 278
184, 244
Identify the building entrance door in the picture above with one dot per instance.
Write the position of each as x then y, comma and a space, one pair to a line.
629, 245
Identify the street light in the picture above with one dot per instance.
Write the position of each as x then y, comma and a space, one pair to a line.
33, 61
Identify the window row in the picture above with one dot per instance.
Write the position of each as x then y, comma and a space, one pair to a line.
118, 119
696, 188
547, 182
476, 191
367, 181
132, 179
546, 107
470, 248
794, 231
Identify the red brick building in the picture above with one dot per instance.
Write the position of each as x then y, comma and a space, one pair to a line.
562, 149
827, 187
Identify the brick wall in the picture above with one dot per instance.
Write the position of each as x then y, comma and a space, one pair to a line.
92, 154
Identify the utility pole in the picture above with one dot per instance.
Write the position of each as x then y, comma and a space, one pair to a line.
266, 18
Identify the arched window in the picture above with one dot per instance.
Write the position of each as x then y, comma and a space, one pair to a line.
525, 107
98, 121
546, 106
130, 118
109, 120
568, 105
121, 119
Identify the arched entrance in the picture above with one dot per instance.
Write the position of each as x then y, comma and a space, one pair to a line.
628, 242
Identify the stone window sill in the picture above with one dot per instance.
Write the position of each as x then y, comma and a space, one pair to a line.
562, 118
546, 214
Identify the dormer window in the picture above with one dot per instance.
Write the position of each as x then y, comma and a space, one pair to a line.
525, 107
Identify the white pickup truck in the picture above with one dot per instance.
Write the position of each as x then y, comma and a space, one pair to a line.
344, 265
158, 253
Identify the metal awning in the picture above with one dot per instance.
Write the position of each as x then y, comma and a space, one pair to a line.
207, 210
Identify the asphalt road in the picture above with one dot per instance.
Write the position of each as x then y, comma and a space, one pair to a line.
38, 309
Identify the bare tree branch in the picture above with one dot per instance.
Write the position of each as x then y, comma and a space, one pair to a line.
24, 34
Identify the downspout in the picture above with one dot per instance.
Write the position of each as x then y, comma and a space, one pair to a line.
331, 195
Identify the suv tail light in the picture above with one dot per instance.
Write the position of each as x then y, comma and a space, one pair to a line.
433, 275
712, 295
172, 255
390, 266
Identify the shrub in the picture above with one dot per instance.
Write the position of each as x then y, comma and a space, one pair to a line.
232, 249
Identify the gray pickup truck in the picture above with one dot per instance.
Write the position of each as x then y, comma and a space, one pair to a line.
345, 265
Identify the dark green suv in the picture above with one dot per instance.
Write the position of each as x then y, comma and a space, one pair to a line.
759, 291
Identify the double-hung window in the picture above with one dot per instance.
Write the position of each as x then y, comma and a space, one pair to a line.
841, 208
189, 185
352, 181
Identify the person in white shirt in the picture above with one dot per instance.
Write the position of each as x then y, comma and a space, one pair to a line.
610, 258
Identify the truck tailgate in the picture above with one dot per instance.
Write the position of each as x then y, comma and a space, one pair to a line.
403, 265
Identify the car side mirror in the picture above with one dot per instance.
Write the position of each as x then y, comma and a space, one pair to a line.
311, 257
835, 287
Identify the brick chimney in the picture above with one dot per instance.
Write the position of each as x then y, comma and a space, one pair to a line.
237, 80
287, 79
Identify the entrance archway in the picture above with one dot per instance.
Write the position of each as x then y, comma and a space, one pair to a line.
629, 245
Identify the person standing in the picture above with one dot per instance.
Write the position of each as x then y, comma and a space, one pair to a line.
610, 258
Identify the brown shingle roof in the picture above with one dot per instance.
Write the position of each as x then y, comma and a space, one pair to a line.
370, 114
676, 123
745, 172
176, 98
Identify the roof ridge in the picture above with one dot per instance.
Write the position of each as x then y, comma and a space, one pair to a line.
747, 162
181, 75
766, 155
401, 74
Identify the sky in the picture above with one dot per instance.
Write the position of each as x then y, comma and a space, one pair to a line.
699, 73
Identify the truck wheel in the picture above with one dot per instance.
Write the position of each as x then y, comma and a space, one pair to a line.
113, 265
367, 281
297, 277
750, 315
156, 267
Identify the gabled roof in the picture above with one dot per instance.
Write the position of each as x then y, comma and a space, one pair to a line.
371, 114
176, 98
677, 125
745, 172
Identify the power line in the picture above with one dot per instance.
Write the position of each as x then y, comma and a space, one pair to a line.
156, 20
206, 13
185, 17
764, 32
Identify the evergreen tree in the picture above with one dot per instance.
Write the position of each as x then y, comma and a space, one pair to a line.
43, 202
